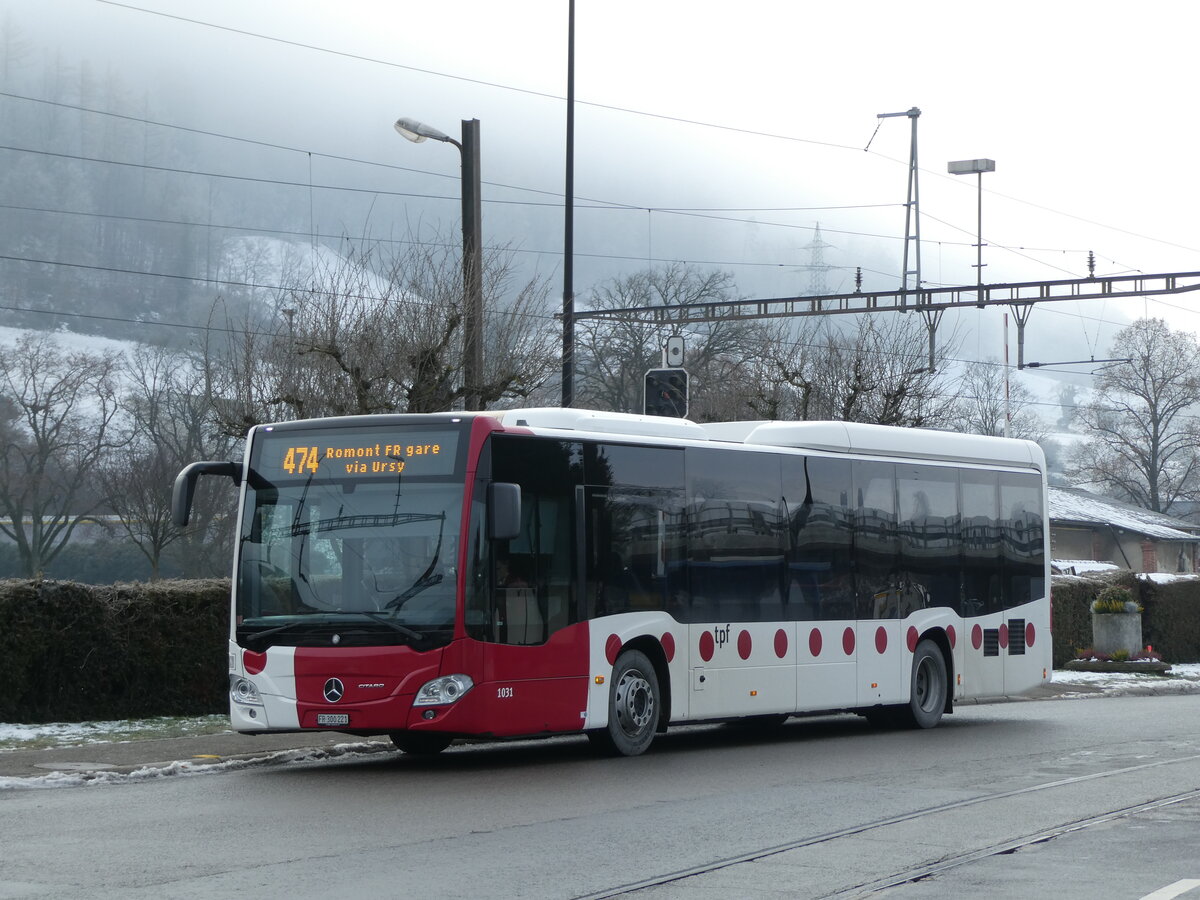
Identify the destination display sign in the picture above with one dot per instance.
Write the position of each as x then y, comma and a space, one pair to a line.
357, 453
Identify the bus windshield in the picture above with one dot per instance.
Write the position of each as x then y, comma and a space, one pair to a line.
326, 550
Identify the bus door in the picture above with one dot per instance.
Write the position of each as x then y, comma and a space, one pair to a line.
820, 580
882, 677
983, 593
742, 643
522, 604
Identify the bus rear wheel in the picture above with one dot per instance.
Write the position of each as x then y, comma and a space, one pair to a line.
420, 743
634, 705
928, 691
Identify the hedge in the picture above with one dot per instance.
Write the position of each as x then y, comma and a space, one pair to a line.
1170, 614
75, 652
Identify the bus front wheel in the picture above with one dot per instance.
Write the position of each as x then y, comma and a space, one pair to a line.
634, 705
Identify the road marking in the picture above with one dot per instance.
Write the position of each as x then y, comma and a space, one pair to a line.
1174, 890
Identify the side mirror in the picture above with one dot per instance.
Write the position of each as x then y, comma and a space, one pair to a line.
504, 511
185, 485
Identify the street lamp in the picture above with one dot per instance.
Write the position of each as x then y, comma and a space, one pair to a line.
472, 231
976, 167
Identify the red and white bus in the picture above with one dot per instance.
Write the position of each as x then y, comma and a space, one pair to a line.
549, 571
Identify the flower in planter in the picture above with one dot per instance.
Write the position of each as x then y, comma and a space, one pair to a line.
1114, 600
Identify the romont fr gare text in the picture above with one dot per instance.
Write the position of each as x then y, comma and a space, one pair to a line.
382, 458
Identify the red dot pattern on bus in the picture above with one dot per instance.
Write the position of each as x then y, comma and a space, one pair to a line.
707, 645
745, 642
254, 662
611, 648
668, 645
745, 645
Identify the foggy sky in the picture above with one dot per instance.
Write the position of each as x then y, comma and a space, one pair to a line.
1087, 114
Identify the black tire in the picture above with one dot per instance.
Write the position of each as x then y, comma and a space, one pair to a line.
420, 743
929, 687
634, 705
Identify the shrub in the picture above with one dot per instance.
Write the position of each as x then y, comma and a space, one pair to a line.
74, 652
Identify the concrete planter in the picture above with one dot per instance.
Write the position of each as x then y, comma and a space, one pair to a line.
1117, 631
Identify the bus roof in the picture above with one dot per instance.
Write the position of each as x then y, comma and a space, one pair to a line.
884, 440
835, 437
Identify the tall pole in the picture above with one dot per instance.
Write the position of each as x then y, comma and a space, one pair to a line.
1007, 402
978, 167
472, 227
568, 314
979, 237
912, 206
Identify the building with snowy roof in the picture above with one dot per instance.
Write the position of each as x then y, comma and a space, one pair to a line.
1088, 531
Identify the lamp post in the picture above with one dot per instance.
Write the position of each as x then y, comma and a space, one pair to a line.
472, 232
976, 167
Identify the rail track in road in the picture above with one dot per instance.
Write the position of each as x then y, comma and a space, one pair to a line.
944, 864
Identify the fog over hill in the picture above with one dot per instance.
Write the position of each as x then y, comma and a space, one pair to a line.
156, 160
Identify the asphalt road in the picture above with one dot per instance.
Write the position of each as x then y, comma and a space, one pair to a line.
1069, 798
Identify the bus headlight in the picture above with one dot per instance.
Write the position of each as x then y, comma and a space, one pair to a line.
443, 691
242, 690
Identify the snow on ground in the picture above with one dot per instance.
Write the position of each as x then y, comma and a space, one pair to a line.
187, 767
77, 734
1184, 678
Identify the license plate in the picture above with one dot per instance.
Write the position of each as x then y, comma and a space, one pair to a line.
333, 718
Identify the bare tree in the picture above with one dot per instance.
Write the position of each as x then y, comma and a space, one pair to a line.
613, 354
361, 336
168, 424
982, 408
1143, 433
876, 371
61, 406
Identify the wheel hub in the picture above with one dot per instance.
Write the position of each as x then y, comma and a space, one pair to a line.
635, 702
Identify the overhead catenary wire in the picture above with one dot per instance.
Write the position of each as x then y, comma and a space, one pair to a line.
698, 212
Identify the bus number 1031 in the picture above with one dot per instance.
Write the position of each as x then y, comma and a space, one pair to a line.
300, 460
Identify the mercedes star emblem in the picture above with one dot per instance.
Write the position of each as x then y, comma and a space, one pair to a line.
334, 689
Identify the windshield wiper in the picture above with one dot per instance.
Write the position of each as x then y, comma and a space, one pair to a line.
425, 581
409, 633
395, 626
427, 578
270, 631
